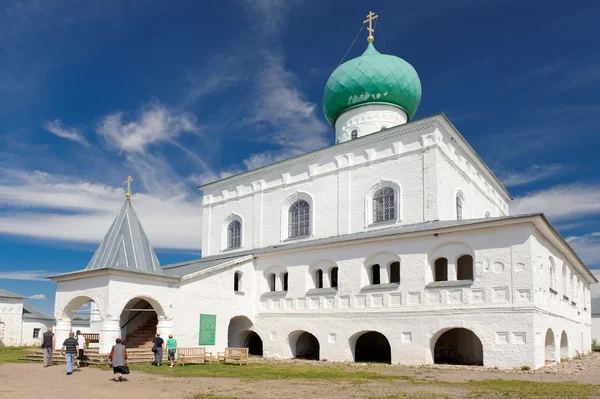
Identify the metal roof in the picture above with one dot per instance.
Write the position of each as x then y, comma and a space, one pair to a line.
29, 312
126, 246
8, 294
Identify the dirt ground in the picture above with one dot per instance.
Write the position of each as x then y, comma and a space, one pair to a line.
32, 381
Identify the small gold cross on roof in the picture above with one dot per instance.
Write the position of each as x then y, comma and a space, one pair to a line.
370, 17
128, 181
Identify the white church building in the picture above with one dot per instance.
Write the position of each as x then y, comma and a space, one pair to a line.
396, 244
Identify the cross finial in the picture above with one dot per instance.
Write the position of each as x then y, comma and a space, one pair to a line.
128, 181
370, 17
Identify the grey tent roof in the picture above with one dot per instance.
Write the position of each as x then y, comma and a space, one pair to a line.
8, 294
126, 246
29, 312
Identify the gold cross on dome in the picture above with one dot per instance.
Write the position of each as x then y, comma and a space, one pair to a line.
370, 17
128, 181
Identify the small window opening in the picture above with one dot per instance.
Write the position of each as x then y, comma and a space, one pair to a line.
36, 333
334, 277
285, 282
272, 282
441, 269
375, 275
236, 281
395, 272
464, 268
319, 279
354, 134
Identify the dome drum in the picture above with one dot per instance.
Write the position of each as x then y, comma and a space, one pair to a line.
361, 121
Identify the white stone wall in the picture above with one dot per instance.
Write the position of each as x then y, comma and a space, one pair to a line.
11, 312
426, 162
367, 119
27, 331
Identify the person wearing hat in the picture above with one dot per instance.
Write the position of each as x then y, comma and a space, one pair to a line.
171, 348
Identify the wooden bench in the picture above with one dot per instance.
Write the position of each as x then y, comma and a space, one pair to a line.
91, 338
237, 355
193, 355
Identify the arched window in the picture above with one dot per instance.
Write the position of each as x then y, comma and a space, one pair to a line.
441, 269
318, 278
459, 206
271, 280
299, 219
395, 272
334, 277
565, 281
487, 215
354, 134
384, 206
375, 275
464, 268
237, 280
234, 235
552, 277
285, 281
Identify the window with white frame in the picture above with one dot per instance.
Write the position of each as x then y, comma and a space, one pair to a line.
299, 219
384, 205
36, 333
234, 235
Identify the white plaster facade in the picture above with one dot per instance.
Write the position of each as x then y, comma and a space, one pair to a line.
525, 299
21, 325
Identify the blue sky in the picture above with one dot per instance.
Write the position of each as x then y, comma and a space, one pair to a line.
180, 93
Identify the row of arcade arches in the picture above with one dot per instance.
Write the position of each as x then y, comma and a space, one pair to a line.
550, 347
452, 346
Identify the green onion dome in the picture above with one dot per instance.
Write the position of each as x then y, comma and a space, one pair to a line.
372, 78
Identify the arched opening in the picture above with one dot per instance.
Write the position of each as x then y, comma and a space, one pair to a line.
372, 346
395, 272
285, 281
441, 269
550, 347
375, 275
254, 344
334, 277
271, 281
139, 320
564, 346
458, 346
304, 345
464, 268
237, 281
318, 278
240, 335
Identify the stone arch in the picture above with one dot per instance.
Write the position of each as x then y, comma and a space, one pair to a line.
273, 278
326, 266
74, 304
138, 321
457, 346
371, 346
452, 251
304, 345
153, 302
564, 346
384, 260
549, 347
241, 334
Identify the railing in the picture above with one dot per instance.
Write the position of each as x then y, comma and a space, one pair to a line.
136, 315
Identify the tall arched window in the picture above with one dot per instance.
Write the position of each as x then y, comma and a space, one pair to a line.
384, 205
318, 278
271, 280
375, 275
237, 280
285, 281
464, 268
234, 235
334, 277
459, 206
299, 219
395, 272
441, 269
552, 277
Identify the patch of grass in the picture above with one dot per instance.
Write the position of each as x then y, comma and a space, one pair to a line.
11, 354
266, 371
531, 389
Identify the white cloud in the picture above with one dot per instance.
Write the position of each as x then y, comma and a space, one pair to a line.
560, 202
28, 275
156, 123
38, 296
57, 128
56, 208
533, 174
587, 247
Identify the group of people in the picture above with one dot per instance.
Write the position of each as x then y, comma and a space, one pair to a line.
73, 348
158, 345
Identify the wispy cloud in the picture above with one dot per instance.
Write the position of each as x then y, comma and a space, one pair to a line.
28, 275
38, 297
57, 128
532, 174
587, 247
561, 202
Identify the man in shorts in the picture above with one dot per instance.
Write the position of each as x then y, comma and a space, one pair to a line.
171, 348
81, 342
